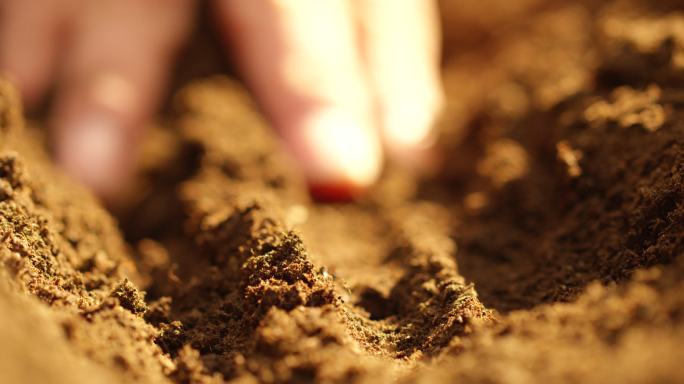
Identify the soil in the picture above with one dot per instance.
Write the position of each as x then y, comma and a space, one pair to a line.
548, 247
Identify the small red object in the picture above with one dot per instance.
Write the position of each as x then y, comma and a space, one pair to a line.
335, 192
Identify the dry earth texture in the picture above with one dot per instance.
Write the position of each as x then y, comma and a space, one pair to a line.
548, 248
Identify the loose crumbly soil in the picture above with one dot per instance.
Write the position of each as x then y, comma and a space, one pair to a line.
548, 248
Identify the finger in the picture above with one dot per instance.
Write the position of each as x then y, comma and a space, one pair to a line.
115, 72
301, 59
29, 40
401, 47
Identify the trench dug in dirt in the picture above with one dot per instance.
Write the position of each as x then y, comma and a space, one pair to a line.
548, 248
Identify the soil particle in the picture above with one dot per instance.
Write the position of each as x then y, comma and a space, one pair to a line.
130, 297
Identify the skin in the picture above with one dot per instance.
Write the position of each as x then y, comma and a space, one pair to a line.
345, 82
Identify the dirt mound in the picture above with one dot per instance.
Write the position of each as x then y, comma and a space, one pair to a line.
547, 248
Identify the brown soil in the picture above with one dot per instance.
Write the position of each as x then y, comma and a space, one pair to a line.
547, 249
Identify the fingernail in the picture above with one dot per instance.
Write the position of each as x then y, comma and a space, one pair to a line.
339, 154
95, 151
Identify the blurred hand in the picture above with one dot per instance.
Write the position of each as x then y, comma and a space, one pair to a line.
342, 80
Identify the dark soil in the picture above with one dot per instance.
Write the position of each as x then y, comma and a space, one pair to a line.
547, 249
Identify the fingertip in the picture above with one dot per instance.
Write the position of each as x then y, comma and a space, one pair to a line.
409, 122
411, 129
402, 51
340, 155
95, 149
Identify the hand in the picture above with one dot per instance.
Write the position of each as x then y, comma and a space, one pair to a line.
342, 80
